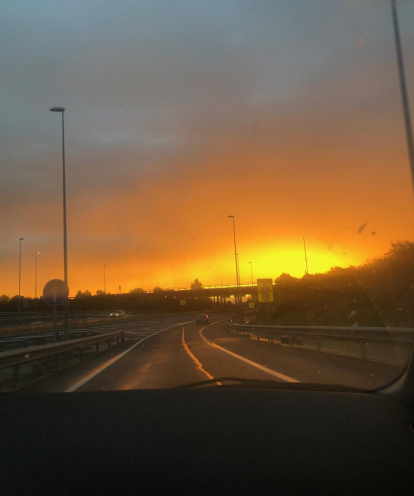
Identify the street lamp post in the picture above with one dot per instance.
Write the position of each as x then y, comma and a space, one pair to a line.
20, 267
235, 255
251, 271
235, 248
306, 256
105, 266
36, 253
65, 246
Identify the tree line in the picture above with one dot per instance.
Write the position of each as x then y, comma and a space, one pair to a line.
136, 300
379, 292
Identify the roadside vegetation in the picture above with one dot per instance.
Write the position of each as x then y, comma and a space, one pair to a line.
378, 293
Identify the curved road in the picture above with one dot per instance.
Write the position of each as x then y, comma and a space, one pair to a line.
184, 353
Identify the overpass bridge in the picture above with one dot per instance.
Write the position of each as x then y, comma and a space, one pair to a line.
219, 291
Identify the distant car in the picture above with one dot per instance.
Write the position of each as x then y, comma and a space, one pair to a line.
203, 318
117, 313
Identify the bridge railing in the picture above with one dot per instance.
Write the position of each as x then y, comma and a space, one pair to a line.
209, 286
380, 344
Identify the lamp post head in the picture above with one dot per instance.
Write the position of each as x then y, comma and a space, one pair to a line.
57, 109
37, 252
230, 216
21, 239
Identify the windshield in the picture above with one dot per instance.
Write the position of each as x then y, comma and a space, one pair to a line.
296, 118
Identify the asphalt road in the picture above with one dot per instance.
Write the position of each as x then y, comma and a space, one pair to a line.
170, 354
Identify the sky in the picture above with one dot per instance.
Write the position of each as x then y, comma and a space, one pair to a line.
286, 115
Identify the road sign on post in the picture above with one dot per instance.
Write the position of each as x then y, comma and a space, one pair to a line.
265, 290
182, 302
55, 292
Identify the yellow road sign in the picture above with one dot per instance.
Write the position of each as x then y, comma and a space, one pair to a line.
265, 290
182, 302
251, 305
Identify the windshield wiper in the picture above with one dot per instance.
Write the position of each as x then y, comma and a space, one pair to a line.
239, 382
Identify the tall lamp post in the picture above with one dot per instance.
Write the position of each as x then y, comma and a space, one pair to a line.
235, 255
251, 271
306, 256
105, 266
235, 248
36, 253
61, 110
20, 267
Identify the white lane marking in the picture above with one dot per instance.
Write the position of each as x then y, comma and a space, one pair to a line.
283, 377
97, 371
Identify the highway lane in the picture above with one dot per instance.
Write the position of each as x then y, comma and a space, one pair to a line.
165, 355
134, 333
167, 360
305, 366
159, 359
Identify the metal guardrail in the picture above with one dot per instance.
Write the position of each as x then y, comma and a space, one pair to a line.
19, 357
9, 343
27, 329
321, 335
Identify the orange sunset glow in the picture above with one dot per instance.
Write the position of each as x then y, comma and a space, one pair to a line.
293, 127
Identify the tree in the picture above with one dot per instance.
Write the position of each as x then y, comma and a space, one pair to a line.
79, 294
157, 289
100, 292
196, 284
137, 290
285, 280
4, 298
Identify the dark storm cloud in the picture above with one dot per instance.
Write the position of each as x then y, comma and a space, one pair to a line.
163, 95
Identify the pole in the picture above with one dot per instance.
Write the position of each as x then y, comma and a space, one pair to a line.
251, 272
105, 288
36, 253
235, 251
306, 258
235, 255
106, 322
403, 86
55, 331
65, 244
20, 267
